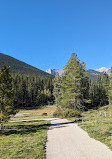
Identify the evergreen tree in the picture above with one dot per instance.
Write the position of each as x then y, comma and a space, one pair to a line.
72, 83
110, 88
57, 92
98, 91
100, 94
105, 86
92, 93
32, 90
85, 92
6, 95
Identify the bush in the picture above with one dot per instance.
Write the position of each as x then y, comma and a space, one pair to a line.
67, 113
58, 113
71, 113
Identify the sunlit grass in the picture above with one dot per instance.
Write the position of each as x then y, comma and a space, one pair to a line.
23, 140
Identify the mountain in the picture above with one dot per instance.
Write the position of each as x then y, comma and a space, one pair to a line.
19, 66
54, 71
94, 74
104, 69
91, 73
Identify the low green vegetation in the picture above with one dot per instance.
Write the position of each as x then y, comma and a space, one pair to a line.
98, 124
66, 113
24, 140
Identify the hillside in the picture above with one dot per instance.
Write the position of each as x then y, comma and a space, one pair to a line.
19, 66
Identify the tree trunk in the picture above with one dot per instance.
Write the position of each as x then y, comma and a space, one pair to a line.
1, 127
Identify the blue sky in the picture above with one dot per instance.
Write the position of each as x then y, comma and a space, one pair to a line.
44, 33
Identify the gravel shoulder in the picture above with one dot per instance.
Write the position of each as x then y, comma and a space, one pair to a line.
66, 140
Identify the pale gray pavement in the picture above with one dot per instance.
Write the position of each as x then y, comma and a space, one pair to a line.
66, 140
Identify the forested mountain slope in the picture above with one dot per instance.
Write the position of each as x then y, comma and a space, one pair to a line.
19, 66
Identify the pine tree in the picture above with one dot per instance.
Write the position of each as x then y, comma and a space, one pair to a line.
30, 90
72, 83
100, 94
6, 95
92, 93
57, 92
85, 92
105, 87
110, 88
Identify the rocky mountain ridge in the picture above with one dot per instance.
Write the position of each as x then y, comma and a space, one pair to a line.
54, 71
104, 69
92, 73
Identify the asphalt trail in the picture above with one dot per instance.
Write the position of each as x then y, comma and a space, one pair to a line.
66, 140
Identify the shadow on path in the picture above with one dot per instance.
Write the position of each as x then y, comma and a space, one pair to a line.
60, 125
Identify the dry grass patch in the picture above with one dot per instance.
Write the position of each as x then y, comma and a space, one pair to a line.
47, 109
34, 113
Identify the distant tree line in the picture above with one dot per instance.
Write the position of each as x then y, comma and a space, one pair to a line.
74, 90
32, 90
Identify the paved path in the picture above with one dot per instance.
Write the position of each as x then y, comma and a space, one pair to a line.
68, 141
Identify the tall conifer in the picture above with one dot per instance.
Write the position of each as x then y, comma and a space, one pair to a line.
6, 95
92, 92
57, 89
72, 83
110, 88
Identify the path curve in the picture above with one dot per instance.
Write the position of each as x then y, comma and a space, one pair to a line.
66, 140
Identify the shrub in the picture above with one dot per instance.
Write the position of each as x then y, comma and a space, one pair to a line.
58, 113
71, 113
67, 113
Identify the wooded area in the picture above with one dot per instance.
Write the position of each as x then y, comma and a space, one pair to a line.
74, 90
32, 90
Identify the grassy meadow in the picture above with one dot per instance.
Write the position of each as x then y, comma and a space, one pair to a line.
25, 139
34, 113
98, 124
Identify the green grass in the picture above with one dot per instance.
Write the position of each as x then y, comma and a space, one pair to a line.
24, 140
97, 124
